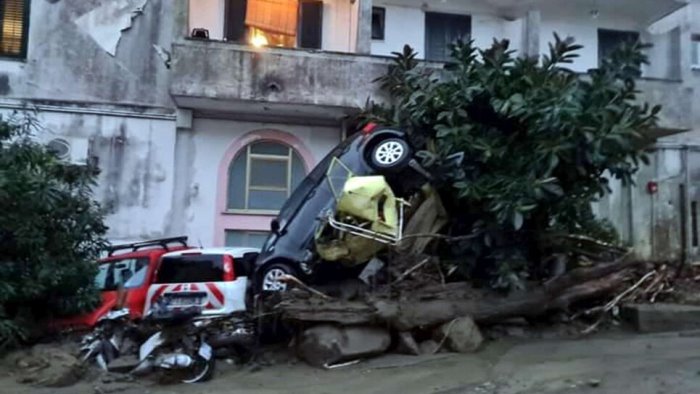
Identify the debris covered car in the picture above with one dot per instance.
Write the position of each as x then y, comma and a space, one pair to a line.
130, 267
345, 211
195, 309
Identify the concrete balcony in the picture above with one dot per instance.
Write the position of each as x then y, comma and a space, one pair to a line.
220, 77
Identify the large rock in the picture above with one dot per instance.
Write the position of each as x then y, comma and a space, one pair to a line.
429, 347
460, 335
662, 317
325, 345
47, 365
407, 344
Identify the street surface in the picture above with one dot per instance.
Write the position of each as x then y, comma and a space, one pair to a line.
612, 363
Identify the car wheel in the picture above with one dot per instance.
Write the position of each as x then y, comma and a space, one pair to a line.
390, 154
271, 275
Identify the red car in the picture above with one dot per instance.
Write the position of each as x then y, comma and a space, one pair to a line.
134, 269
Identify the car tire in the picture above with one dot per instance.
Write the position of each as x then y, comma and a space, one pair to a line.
390, 155
270, 274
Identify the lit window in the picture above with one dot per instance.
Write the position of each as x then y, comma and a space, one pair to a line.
14, 24
262, 177
695, 41
277, 23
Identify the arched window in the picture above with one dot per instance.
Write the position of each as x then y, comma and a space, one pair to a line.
262, 175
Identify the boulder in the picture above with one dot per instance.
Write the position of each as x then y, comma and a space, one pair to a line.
48, 366
326, 344
429, 347
407, 344
460, 335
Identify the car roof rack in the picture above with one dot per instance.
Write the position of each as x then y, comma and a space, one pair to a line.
162, 242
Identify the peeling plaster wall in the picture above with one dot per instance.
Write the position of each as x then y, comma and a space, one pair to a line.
68, 56
207, 143
92, 72
137, 161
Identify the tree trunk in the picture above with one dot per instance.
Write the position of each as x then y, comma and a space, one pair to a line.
420, 311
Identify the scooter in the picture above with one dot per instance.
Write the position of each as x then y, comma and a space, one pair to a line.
109, 339
180, 349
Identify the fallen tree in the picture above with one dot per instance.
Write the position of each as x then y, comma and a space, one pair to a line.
431, 306
519, 148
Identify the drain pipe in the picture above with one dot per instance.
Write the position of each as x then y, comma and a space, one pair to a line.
686, 210
344, 128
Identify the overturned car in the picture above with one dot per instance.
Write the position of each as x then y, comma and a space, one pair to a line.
344, 212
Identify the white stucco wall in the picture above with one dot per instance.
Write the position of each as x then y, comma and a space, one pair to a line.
578, 23
406, 25
211, 139
208, 14
403, 25
513, 31
135, 156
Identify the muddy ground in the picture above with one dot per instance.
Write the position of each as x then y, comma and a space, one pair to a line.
607, 364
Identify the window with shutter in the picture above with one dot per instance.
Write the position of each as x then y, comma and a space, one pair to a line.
14, 25
441, 30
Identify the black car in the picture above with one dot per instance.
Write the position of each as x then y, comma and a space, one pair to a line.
289, 249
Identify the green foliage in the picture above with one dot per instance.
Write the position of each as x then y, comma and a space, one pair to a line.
539, 144
51, 232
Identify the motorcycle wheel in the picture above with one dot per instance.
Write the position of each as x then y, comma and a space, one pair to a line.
201, 371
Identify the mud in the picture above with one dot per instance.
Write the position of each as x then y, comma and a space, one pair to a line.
612, 363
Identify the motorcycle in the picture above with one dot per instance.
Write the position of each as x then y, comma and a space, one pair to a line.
111, 338
183, 348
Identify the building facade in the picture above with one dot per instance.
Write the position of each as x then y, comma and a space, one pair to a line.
204, 114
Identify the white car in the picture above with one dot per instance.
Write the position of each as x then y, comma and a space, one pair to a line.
213, 279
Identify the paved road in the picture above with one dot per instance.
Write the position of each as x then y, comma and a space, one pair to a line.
623, 363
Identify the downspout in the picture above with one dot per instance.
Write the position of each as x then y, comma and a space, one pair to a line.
343, 128
686, 210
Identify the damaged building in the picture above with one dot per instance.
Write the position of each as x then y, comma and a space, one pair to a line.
203, 115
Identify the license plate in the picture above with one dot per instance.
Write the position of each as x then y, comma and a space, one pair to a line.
185, 301
205, 351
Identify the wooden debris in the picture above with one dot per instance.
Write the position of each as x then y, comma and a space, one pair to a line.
415, 310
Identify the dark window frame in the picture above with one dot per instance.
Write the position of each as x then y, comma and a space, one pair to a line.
448, 24
234, 21
619, 33
695, 50
306, 26
380, 13
22, 55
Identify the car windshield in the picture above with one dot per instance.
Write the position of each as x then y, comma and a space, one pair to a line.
191, 269
128, 272
302, 192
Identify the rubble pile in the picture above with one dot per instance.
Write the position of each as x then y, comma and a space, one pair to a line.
413, 299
